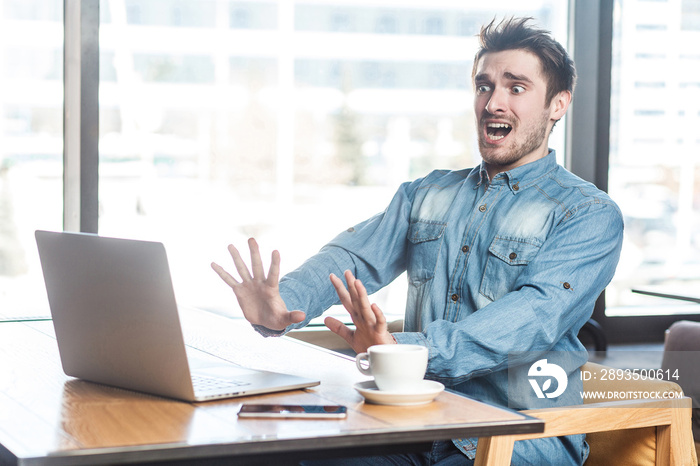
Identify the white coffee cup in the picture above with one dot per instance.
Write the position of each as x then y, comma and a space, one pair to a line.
396, 368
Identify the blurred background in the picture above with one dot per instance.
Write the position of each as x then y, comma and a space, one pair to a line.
291, 120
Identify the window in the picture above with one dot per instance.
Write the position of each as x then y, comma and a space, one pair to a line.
386, 24
252, 128
31, 124
434, 26
690, 17
654, 159
221, 120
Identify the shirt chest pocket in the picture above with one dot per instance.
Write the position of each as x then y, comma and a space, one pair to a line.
425, 240
507, 258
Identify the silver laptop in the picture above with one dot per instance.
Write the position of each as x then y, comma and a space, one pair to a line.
117, 322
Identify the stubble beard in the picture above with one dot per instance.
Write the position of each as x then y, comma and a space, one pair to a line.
504, 156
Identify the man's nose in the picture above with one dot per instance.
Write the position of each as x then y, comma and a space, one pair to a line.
497, 102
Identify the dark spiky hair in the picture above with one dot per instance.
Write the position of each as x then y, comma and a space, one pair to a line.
516, 34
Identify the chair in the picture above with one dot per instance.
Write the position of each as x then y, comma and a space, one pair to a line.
637, 432
682, 354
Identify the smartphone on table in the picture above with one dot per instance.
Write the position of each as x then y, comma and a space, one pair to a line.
293, 411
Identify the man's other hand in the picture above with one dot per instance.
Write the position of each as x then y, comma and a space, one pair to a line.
370, 323
257, 294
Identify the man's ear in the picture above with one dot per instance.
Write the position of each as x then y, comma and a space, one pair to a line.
560, 104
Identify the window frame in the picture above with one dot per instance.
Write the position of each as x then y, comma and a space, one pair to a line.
588, 145
81, 77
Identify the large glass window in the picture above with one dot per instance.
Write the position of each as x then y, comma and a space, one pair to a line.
284, 120
31, 125
655, 154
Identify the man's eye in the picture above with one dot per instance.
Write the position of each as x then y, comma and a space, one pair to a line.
482, 88
518, 89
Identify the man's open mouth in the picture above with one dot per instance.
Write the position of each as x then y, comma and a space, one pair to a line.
496, 131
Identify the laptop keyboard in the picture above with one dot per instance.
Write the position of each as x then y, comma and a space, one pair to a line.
209, 384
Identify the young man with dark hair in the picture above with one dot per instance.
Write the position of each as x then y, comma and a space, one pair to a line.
506, 258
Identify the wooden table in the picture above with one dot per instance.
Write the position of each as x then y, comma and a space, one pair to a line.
49, 418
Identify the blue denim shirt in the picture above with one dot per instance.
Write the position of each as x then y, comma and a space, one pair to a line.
514, 264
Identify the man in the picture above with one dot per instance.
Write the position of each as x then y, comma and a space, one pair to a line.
506, 258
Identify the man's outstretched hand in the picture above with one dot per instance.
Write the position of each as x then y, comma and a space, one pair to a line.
370, 323
257, 294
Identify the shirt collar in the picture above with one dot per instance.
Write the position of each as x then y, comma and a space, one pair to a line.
523, 176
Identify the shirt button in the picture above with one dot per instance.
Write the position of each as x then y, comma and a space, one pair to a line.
482, 208
512, 256
516, 187
455, 297
465, 248
567, 286
351, 229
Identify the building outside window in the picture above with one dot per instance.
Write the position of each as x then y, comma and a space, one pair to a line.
31, 119
655, 154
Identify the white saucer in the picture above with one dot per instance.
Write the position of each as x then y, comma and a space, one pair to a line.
425, 394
